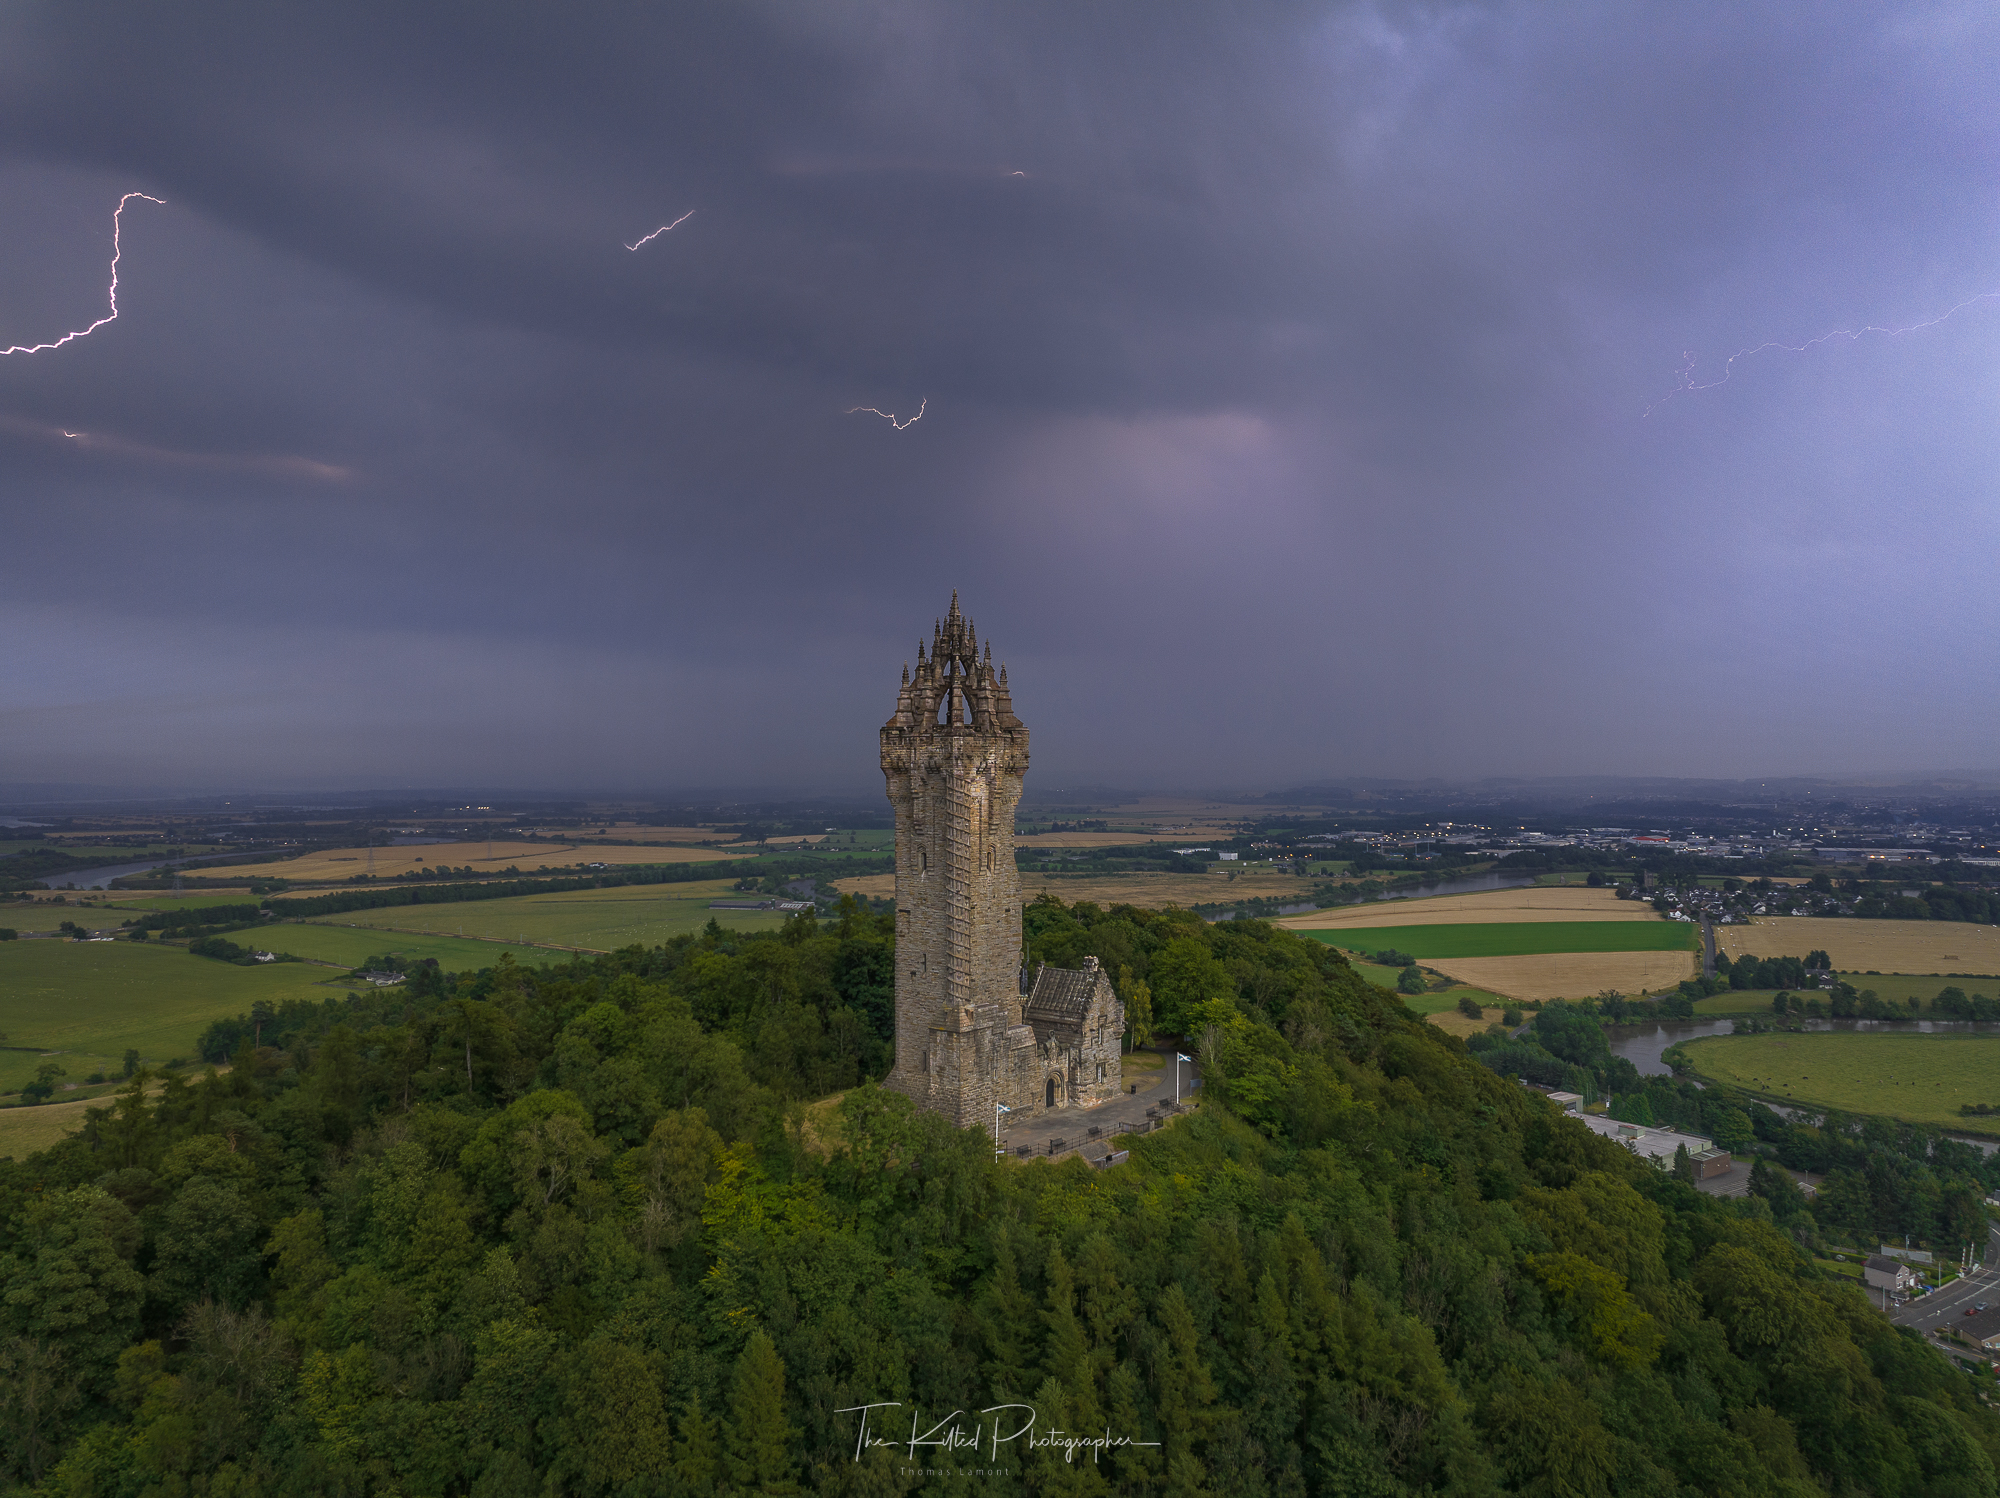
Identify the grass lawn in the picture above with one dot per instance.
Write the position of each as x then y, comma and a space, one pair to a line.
595, 919
91, 1001
1919, 1078
1516, 939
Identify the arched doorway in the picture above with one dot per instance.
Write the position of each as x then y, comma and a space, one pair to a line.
1049, 1094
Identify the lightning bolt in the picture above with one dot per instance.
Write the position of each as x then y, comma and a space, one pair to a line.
112, 316
663, 229
890, 418
1689, 385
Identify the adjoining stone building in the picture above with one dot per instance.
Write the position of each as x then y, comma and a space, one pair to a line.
973, 1026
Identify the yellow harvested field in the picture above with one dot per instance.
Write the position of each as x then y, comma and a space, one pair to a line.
1147, 891
875, 886
1530, 903
695, 889
24, 1131
1870, 946
1569, 975
1453, 1023
344, 863
638, 834
1030, 841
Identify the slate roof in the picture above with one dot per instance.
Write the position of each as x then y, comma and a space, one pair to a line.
1981, 1327
1060, 996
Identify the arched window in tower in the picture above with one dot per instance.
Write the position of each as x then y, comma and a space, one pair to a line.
989, 860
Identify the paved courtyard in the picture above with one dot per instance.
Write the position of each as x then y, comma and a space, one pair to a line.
1149, 1097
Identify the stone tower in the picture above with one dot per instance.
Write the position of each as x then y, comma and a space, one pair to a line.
954, 755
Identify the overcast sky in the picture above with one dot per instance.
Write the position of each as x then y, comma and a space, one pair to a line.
1302, 388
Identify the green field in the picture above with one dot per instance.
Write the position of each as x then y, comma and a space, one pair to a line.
1918, 1078
102, 914
595, 919
351, 946
1515, 939
94, 1000
1428, 1003
1897, 989
1743, 1001
23, 1131
1894, 990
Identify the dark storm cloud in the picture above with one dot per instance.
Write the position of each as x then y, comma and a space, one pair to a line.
1284, 366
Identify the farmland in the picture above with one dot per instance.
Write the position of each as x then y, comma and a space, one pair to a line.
1439, 1007
1535, 959
23, 1131
1571, 975
91, 1001
1898, 989
1147, 891
1858, 945
1918, 1078
594, 919
1738, 1001
1529, 904
1514, 938
1028, 842
693, 835
340, 864
101, 915
349, 946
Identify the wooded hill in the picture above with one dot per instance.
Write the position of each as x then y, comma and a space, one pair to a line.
577, 1231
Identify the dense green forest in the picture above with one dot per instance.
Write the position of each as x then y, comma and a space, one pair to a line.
585, 1231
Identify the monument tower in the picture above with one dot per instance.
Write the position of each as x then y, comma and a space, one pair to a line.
970, 1029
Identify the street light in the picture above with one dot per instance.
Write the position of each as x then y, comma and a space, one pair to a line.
1178, 1059
999, 1108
